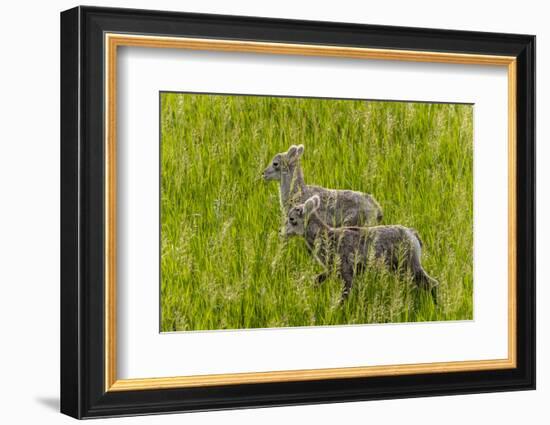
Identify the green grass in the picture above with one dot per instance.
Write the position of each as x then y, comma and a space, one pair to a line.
224, 264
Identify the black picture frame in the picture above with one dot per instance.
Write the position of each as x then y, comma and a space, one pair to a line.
83, 392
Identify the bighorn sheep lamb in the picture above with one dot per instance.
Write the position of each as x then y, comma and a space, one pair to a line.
340, 207
353, 248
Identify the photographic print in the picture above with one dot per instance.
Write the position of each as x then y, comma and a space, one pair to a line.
286, 212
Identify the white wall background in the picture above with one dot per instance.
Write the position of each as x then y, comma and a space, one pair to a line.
29, 213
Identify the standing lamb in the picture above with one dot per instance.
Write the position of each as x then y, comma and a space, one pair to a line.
340, 207
352, 249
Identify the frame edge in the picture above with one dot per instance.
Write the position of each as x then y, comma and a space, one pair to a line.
526, 180
70, 348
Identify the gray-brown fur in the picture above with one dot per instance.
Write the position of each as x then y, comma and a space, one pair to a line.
339, 207
353, 249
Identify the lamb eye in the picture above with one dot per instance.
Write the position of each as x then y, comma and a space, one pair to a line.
275, 164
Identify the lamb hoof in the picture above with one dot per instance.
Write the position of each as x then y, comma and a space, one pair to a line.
433, 293
343, 299
320, 279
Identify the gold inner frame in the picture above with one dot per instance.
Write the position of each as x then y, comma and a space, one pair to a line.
113, 41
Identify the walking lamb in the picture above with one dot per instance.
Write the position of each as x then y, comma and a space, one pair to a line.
352, 249
340, 207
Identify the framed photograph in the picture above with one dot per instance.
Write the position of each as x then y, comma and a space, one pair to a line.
261, 212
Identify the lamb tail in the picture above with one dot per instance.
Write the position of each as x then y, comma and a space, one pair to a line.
430, 284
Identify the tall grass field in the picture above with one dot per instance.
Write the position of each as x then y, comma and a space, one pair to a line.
225, 263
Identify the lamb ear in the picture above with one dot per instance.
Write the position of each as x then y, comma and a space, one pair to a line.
291, 151
312, 204
295, 152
